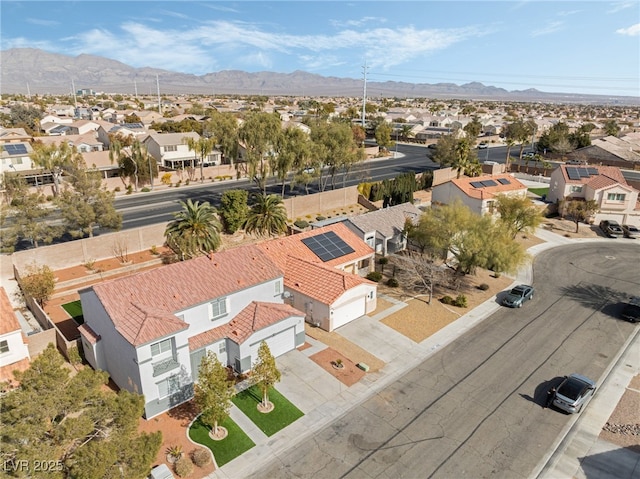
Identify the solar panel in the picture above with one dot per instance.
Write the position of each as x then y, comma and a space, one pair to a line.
504, 181
477, 184
583, 173
18, 149
572, 173
327, 246
593, 171
489, 183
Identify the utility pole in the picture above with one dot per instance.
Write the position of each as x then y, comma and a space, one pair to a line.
364, 92
159, 102
135, 87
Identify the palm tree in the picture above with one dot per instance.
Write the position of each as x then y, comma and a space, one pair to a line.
267, 216
195, 230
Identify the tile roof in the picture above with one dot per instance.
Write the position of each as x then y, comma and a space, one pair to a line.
142, 306
388, 221
256, 316
280, 249
88, 333
487, 192
317, 281
607, 176
8, 321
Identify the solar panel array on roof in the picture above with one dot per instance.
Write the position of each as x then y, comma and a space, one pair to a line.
572, 173
583, 173
504, 181
327, 246
16, 149
477, 184
133, 125
489, 183
593, 171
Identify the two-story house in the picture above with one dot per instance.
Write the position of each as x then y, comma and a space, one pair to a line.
170, 150
151, 330
14, 353
478, 193
616, 199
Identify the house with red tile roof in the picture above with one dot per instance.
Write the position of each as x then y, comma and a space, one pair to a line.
14, 353
151, 330
616, 199
478, 193
323, 274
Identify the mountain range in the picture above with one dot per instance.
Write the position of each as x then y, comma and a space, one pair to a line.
31, 71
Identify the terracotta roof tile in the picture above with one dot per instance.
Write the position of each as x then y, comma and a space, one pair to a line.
142, 306
256, 316
88, 333
317, 281
487, 192
8, 321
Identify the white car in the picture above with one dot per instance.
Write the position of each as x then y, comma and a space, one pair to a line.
483, 146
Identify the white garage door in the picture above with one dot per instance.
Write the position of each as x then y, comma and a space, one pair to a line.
348, 312
278, 344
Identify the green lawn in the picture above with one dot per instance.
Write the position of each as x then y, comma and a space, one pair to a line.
539, 191
283, 414
232, 446
75, 311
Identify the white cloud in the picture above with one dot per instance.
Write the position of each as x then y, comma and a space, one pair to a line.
632, 31
551, 27
43, 23
568, 13
618, 6
357, 23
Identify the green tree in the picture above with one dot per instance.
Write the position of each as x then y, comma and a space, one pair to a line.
578, 210
611, 128
267, 216
383, 136
194, 231
202, 147
27, 117
445, 152
265, 373
473, 129
38, 282
293, 150
29, 213
259, 134
54, 159
86, 429
224, 128
213, 391
334, 147
233, 209
518, 213
86, 204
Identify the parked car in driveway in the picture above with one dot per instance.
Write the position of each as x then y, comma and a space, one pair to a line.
630, 231
574, 391
611, 228
631, 310
518, 295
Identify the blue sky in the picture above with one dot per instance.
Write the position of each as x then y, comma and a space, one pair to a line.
556, 46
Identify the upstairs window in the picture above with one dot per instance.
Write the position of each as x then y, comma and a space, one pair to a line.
616, 196
161, 347
218, 308
170, 148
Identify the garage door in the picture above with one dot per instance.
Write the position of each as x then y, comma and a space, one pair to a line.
278, 344
348, 312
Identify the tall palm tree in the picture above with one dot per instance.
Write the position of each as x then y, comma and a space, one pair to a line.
267, 217
195, 230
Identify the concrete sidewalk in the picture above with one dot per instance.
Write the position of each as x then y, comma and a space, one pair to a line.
323, 398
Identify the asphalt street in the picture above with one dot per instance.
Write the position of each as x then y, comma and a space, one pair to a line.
475, 407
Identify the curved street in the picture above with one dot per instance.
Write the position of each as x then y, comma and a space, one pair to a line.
474, 407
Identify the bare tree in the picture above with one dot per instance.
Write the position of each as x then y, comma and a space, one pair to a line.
417, 271
120, 250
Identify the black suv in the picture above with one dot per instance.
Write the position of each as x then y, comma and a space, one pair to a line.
631, 310
611, 228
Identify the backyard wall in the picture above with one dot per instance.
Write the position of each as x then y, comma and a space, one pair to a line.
300, 206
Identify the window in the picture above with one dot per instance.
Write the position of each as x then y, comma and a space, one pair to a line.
576, 189
168, 387
4, 347
161, 347
222, 348
218, 308
615, 196
170, 148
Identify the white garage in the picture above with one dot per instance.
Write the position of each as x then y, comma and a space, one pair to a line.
348, 312
279, 343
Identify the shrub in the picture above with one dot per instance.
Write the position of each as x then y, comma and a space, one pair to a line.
374, 276
49, 198
129, 190
446, 300
483, 287
166, 179
392, 282
320, 218
117, 189
145, 190
183, 467
74, 355
383, 261
186, 183
460, 301
200, 457
302, 224
154, 250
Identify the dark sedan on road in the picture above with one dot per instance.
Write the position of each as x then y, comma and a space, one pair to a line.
631, 310
611, 228
518, 295
573, 393
630, 231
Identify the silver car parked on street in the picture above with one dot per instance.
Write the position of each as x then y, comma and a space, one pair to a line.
573, 393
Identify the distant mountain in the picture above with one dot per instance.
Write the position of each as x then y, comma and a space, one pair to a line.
28, 70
